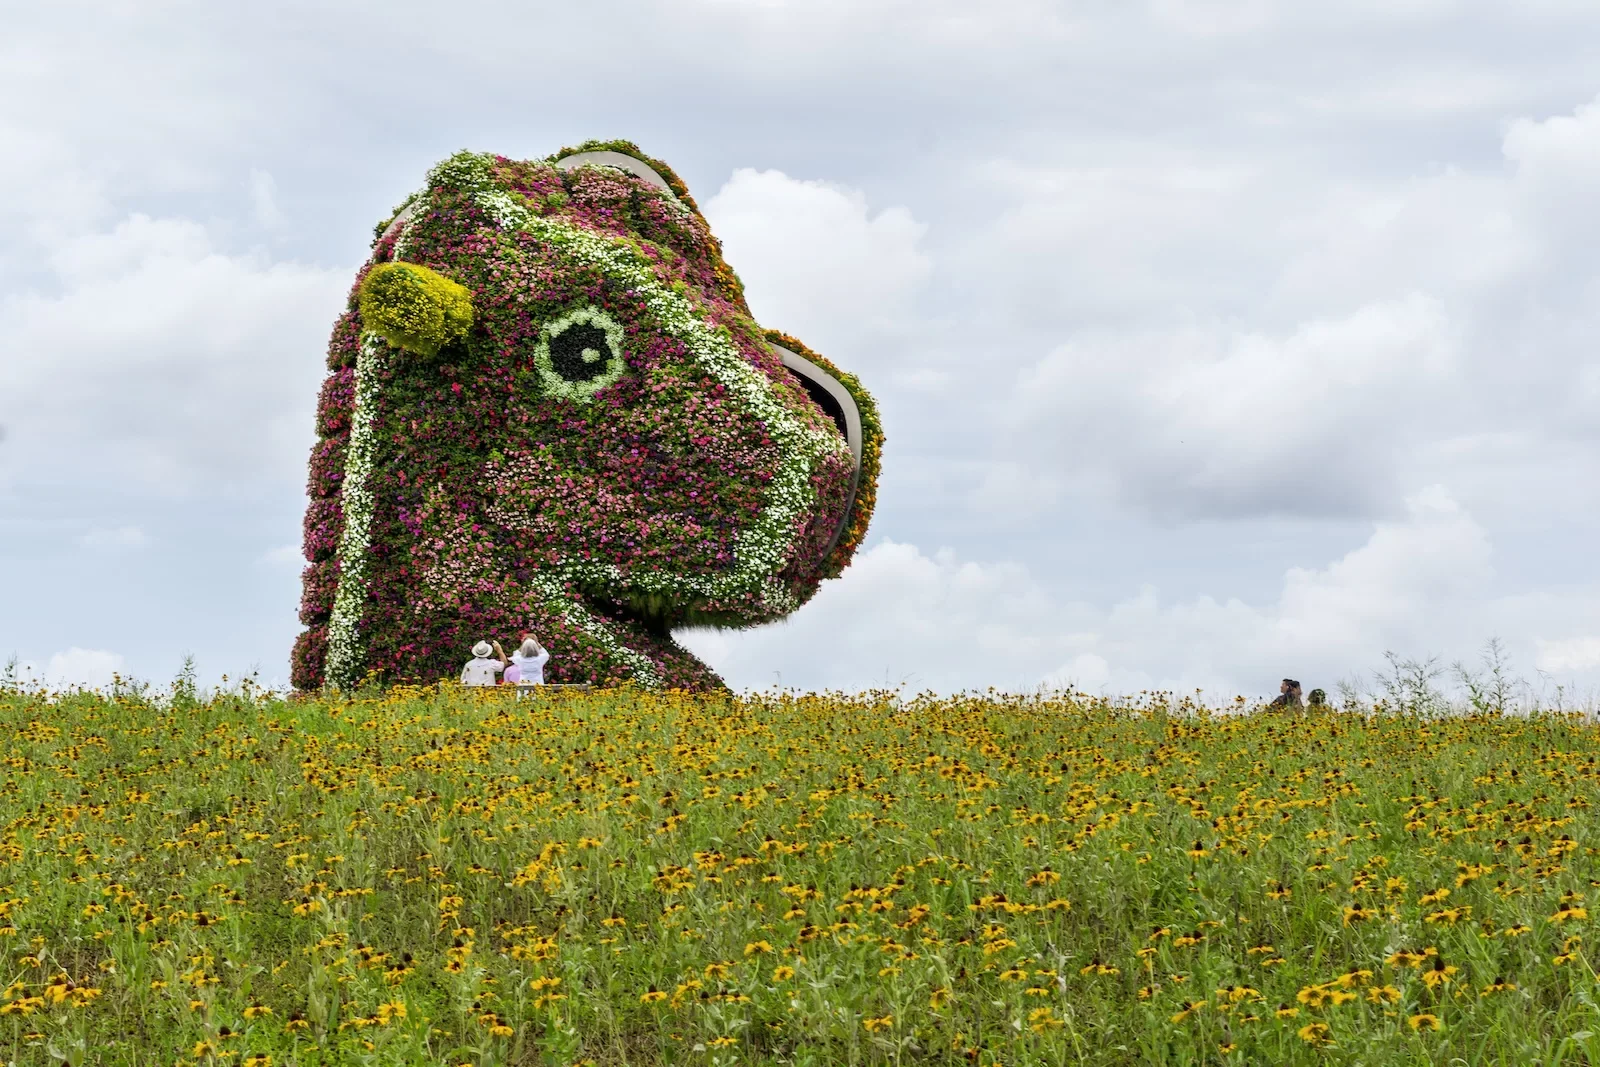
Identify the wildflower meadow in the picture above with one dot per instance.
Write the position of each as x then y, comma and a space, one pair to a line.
441, 876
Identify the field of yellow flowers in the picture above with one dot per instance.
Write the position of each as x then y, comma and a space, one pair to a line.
445, 877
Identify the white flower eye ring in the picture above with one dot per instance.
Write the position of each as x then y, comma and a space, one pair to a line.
580, 354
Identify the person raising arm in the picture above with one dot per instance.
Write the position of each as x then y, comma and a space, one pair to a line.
530, 658
481, 670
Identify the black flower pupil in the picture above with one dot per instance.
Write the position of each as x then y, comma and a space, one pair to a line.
580, 353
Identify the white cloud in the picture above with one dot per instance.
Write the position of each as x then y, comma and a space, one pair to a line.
1439, 553
1565, 655
161, 363
87, 668
1210, 18
264, 200
1419, 585
900, 616
1568, 654
1555, 164
43, 195
1562, 151
111, 539
1257, 339
1015, 490
1086, 673
816, 262
1217, 421
1132, 233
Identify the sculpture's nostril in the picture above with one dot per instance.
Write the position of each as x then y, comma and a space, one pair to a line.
826, 401
837, 403
834, 400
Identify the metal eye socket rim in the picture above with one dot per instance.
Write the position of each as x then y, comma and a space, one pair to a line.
607, 158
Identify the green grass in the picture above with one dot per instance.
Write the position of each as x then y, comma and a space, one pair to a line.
618, 877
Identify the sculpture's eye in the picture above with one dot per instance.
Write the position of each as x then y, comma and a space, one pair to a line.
580, 354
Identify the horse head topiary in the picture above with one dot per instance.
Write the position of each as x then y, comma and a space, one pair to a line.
550, 409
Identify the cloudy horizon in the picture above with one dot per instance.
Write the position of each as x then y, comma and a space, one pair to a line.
1215, 341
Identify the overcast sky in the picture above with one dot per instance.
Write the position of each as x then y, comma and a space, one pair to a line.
1217, 340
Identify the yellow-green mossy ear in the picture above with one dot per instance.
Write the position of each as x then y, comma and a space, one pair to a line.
413, 307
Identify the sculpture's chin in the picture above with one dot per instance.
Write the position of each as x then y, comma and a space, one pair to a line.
659, 623
662, 618
648, 634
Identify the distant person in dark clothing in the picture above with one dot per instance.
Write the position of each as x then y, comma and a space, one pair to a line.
1317, 699
1288, 695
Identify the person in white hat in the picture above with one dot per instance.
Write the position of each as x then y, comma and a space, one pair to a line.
481, 670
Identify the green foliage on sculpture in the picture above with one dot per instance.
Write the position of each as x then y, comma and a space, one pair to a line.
414, 308
550, 409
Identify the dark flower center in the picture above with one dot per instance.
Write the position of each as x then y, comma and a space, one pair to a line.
580, 353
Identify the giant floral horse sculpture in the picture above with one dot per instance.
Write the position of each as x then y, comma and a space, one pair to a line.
550, 409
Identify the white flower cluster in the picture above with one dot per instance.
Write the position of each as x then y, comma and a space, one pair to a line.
575, 614
580, 392
344, 651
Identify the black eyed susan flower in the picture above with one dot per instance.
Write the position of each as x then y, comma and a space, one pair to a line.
1312, 996
1041, 1020
1315, 1034
1439, 974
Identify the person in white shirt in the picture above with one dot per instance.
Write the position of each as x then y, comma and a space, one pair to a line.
481, 670
530, 659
